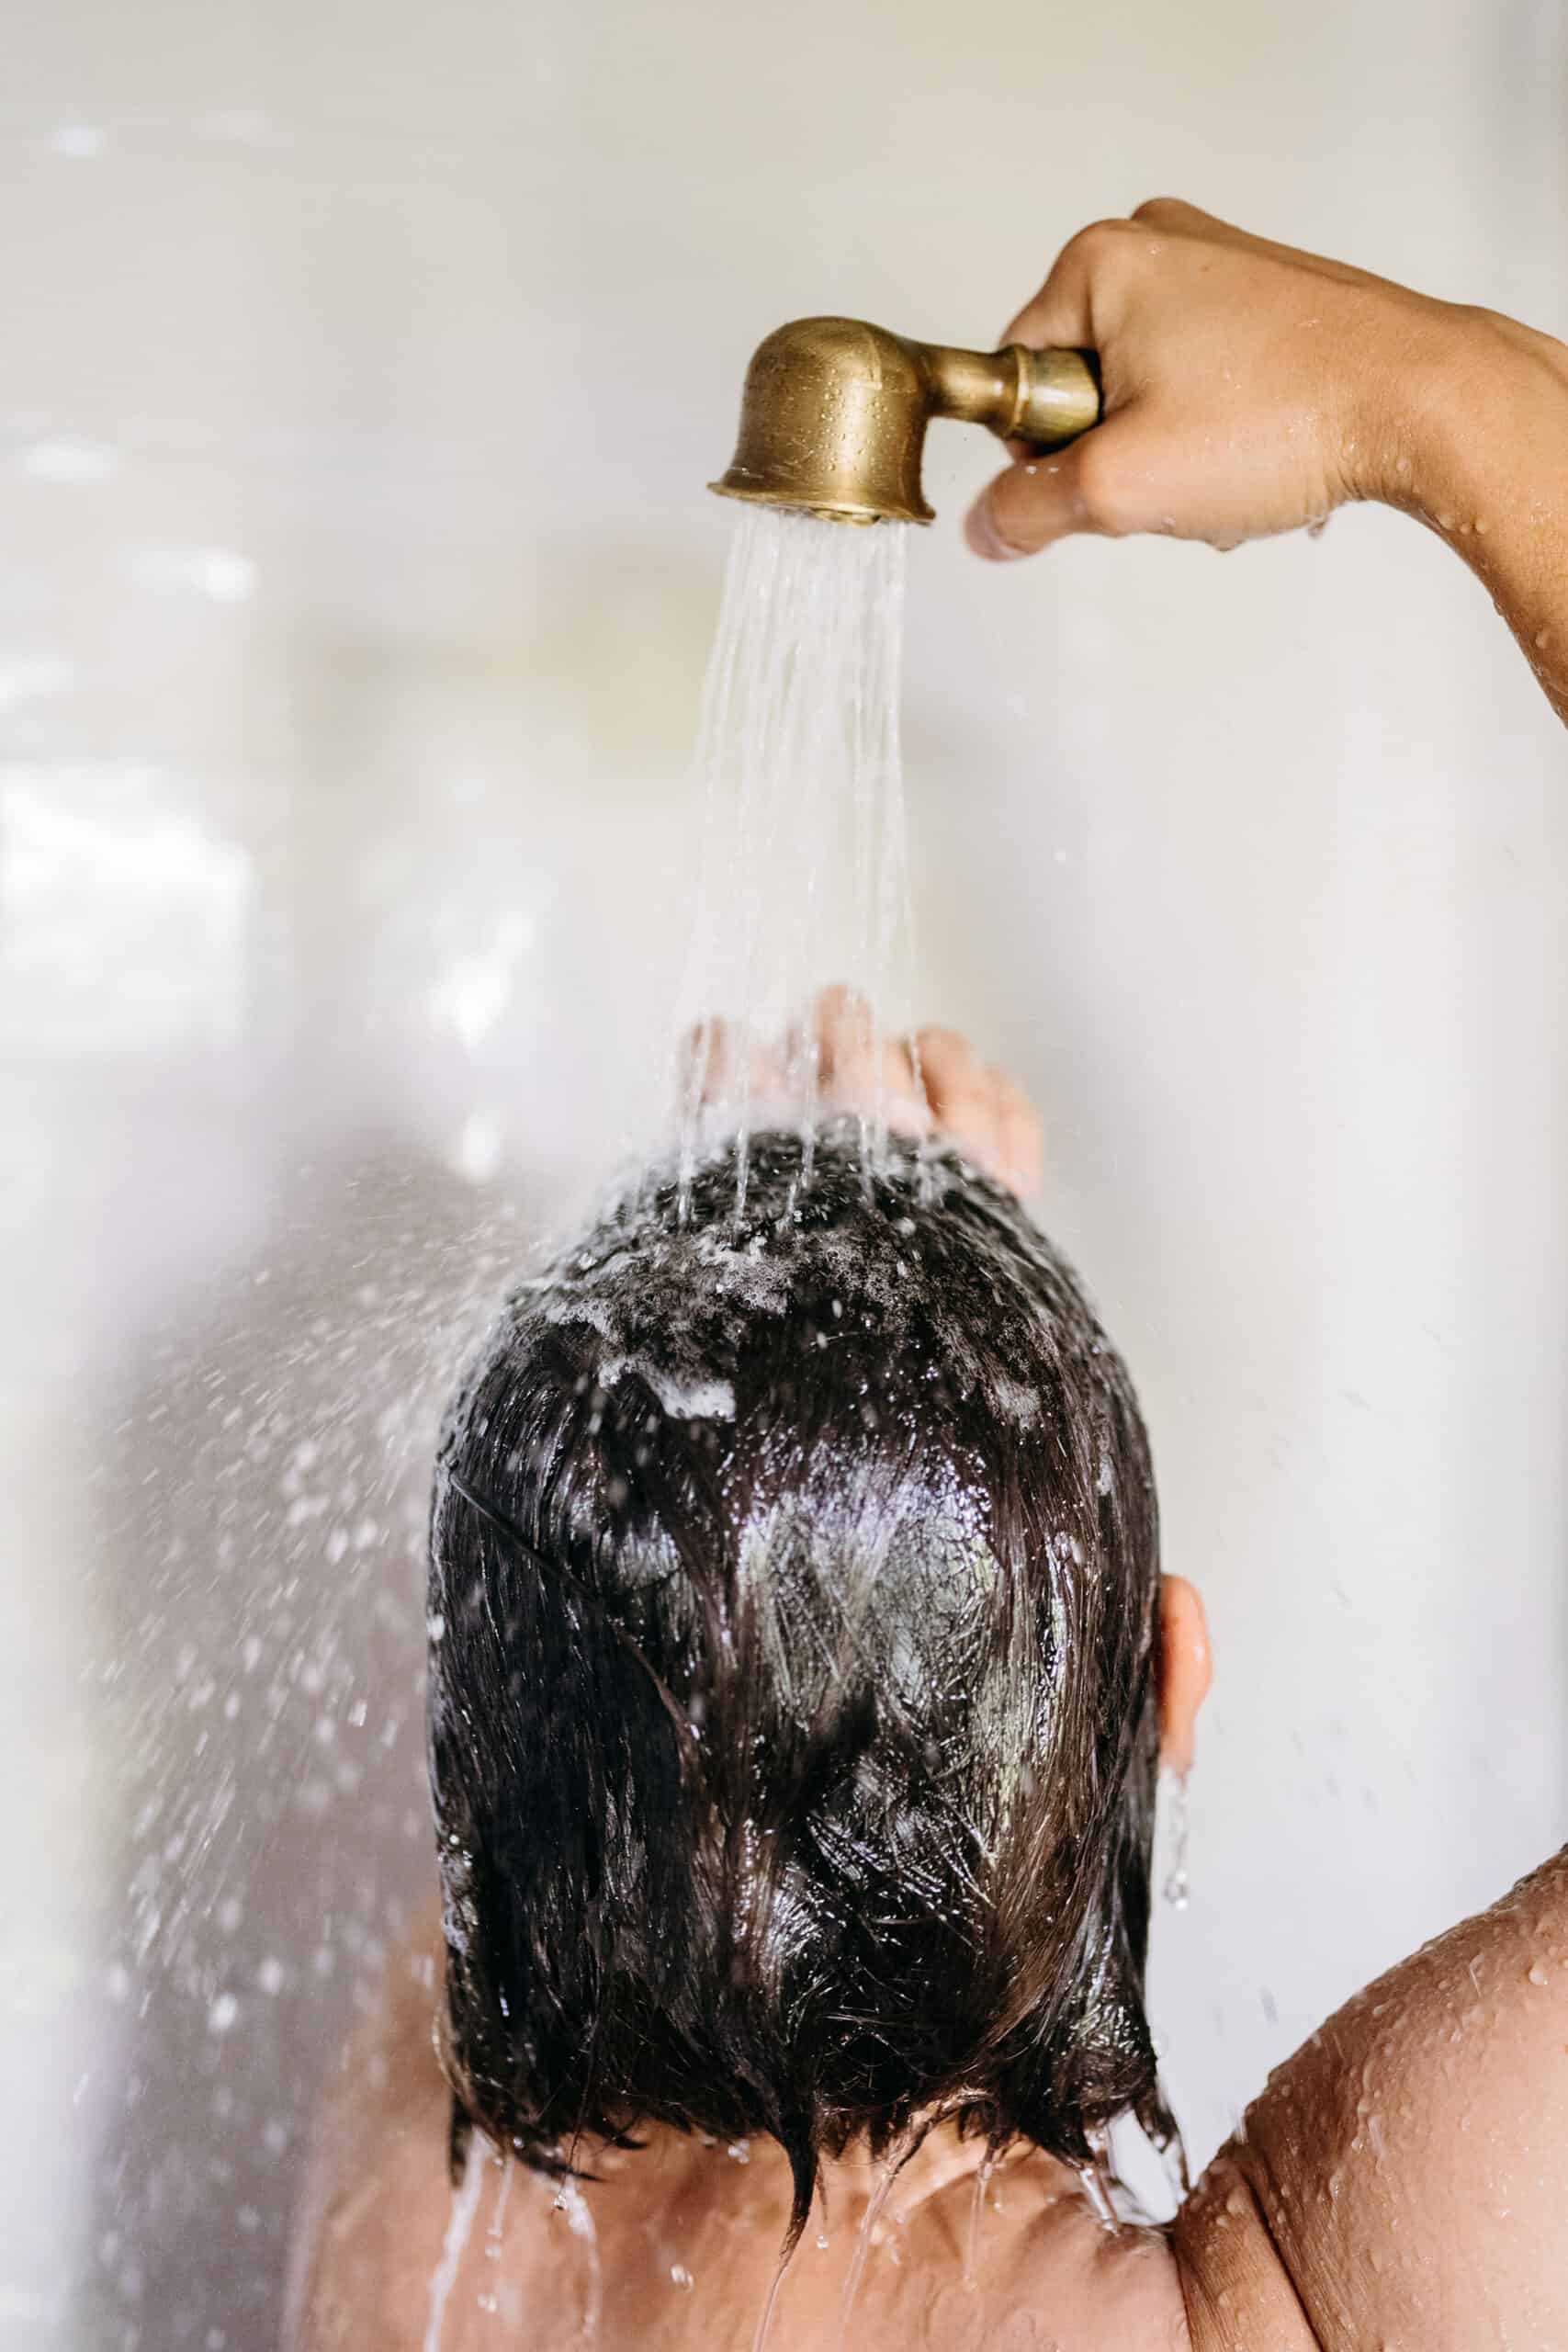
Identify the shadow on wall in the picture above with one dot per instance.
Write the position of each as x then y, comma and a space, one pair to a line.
267, 1591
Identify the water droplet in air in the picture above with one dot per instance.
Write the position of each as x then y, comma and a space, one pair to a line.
1178, 1887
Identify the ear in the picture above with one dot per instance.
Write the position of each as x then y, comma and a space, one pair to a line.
1184, 1670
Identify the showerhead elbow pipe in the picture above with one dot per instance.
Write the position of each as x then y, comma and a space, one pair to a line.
834, 412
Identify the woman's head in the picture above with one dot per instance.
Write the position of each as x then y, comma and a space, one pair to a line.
793, 1733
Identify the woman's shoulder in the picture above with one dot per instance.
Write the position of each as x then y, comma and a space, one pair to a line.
1235, 2291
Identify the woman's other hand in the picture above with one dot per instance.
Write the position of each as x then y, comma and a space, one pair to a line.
928, 1084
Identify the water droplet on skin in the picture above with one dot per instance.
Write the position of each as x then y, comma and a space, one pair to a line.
1538, 1975
679, 2275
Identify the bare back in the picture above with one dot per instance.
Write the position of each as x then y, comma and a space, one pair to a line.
1399, 2183
675, 2247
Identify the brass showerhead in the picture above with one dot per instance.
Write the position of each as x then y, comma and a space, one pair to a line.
833, 416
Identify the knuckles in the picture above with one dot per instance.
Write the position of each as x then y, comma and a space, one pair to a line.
1164, 211
1098, 243
1103, 491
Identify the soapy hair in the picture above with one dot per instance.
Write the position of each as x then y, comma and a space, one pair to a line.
792, 1724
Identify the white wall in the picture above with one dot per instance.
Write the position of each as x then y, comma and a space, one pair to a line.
364, 367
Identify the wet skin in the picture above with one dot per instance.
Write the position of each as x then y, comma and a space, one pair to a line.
1399, 2184
680, 2210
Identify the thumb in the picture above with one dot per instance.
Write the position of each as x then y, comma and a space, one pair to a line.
1048, 495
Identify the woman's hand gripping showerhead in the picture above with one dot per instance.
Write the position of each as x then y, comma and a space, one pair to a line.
1250, 389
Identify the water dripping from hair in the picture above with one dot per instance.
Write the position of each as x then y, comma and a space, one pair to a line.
765, 2321
1095, 2179
570, 2199
977, 2213
803, 870
892, 2165
460, 2227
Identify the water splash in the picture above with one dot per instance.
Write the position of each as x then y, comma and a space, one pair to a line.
260, 1676
804, 874
1178, 1889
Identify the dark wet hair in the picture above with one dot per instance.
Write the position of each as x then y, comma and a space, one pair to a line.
793, 1728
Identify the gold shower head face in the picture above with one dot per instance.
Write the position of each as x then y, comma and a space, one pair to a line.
834, 412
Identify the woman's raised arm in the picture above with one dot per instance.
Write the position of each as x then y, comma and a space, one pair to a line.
1250, 389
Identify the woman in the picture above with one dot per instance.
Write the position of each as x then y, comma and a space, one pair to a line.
800, 1663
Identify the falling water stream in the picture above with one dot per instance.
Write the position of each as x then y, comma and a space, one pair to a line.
804, 874
869, 2219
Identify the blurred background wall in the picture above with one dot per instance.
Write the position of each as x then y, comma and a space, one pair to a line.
364, 367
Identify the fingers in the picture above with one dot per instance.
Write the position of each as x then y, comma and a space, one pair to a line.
1079, 291
1063, 311
702, 1059
1036, 503
1173, 213
846, 1039
836, 1053
931, 1082
1021, 1161
719, 1063
859, 1067
981, 1110
1094, 485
